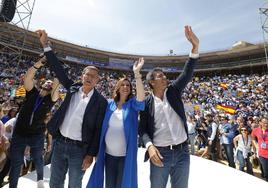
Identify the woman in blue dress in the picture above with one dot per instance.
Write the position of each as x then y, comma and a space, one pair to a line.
117, 155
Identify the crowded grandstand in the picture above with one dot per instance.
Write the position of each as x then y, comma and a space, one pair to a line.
230, 85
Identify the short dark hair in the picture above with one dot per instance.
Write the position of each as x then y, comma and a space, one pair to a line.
225, 118
209, 115
150, 75
90, 67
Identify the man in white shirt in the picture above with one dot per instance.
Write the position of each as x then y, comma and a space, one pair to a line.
76, 124
212, 128
163, 125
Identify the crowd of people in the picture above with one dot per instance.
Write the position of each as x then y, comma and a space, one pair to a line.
225, 119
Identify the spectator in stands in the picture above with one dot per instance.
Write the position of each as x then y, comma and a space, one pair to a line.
76, 124
3, 144
118, 144
191, 125
227, 134
9, 127
212, 129
30, 126
242, 144
163, 124
241, 122
260, 142
11, 113
255, 122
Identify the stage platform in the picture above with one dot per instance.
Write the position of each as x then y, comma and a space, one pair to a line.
203, 173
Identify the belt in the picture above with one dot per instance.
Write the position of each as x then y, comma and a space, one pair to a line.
70, 141
174, 147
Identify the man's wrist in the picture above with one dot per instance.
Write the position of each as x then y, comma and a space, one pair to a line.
148, 144
47, 49
36, 67
194, 55
137, 75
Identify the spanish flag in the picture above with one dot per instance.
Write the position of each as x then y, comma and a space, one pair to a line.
20, 91
228, 109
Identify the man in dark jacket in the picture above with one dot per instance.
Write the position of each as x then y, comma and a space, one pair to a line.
163, 124
77, 123
30, 124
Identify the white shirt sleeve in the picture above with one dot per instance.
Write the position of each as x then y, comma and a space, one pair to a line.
148, 144
194, 56
214, 131
47, 49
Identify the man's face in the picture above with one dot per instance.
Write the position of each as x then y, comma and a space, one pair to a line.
240, 120
160, 80
223, 120
90, 78
208, 118
47, 86
264, 123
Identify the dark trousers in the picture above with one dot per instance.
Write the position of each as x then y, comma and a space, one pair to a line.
212, 151
244, 162
17, 148
5, 171
176, 165
264, 164
114, 168
229, 150
67, 156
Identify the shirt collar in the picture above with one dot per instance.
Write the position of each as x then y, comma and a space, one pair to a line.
81, 93
157, 98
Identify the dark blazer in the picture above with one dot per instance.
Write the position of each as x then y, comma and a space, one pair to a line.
174, 92
94, 113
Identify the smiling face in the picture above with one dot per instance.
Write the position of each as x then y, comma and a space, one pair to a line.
90, 78
47, 86
159, 81
244, 130
123, 89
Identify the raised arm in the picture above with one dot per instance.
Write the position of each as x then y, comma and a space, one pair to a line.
139, 85
185, 77
192, 38
29, 76
53, 61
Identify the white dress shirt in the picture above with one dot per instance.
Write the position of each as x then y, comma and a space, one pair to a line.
169, 127
116, 131
214, 131
71, 126
191, 127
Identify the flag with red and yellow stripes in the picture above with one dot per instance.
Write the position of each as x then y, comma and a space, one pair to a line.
228, 109
20, 91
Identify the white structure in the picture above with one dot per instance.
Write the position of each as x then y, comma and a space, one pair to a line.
203, 173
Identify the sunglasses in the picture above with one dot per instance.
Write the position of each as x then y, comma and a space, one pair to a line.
244, 130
